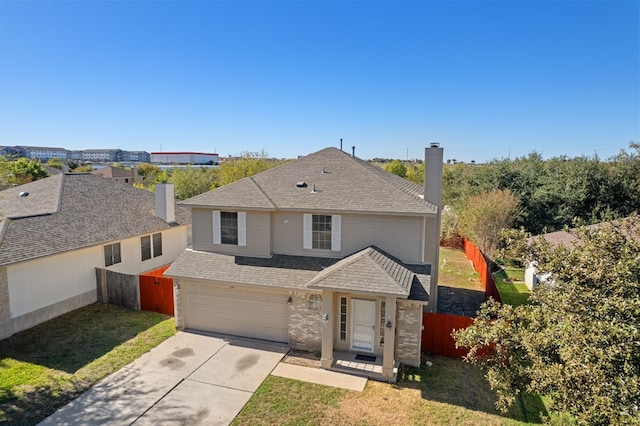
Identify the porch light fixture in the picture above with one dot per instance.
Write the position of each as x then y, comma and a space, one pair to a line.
289, 300
388, 324
325, 317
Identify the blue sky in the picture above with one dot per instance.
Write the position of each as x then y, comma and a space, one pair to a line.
485, 79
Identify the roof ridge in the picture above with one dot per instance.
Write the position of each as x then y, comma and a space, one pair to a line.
262, 192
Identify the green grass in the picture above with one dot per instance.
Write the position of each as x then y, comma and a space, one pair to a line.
43, 368
510, 284
457, 271
449, 392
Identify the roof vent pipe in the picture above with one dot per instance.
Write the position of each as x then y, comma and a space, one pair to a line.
313, 191
353, 151
324, 172
340, 144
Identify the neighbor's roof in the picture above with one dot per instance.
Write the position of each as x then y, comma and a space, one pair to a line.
630, 226
342, 183
369, 271
68, 212
111, 172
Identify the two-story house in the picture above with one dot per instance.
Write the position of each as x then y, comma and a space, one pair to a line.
54, 232
327, 252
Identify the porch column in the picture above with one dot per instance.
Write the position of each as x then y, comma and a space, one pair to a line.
388, 356
328, 325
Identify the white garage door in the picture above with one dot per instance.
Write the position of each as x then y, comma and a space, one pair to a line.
236, 311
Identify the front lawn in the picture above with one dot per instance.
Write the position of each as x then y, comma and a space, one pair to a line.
45, 367
449, 392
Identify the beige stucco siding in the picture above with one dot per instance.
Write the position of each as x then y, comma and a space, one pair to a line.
400, 236
257, 228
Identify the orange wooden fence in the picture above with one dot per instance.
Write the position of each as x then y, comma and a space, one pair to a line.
436, 334
156, 291
480, 264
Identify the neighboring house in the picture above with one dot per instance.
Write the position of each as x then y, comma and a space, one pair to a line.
327, 252
116, 174
55, 231
533, 277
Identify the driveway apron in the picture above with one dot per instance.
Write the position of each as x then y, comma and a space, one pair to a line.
188, 379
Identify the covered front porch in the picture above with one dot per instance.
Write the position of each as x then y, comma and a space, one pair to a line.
371, 314
353, 363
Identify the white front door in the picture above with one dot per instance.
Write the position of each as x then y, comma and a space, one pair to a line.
363, 325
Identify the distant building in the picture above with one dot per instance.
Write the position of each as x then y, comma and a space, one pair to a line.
184, 158
135, 156
101, 155
43, 153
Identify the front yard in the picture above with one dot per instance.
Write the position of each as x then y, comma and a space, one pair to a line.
449, 392
43, 368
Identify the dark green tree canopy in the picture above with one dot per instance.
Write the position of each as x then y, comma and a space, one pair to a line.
579, 340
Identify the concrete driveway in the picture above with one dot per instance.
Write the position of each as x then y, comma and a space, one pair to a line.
187, 379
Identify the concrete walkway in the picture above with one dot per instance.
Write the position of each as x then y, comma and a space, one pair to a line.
320, 377
187, 379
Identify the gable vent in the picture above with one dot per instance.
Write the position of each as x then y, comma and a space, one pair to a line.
301, 184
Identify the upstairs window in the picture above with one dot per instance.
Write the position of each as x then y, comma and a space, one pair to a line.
112, 254
230, 228
322, 232
149, 250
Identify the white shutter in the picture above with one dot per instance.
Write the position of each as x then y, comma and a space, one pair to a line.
216, 227
306, 232
336, 225
242, 229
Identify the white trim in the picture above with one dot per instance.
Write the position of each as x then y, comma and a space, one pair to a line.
307, 231
242, 229
216, 227
336, 231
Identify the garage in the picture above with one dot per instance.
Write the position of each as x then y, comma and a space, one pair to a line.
236, 311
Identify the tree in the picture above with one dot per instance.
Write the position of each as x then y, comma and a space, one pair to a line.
484, 216
151, 174
21, 171
189, 182
397, 168
579, 340
56, 163
248, 164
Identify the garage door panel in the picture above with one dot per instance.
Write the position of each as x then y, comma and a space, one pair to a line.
236, 311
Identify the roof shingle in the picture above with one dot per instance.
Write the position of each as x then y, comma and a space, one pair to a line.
342, 183
89, 210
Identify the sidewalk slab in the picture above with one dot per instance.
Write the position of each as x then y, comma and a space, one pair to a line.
238, 367
119, 399
178, 356
320, 376
192, 403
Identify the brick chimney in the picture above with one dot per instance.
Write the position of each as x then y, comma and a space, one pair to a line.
165, 202
433, 158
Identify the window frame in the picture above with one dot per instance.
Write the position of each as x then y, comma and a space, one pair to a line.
241, 225
321, 232
342, 323
115, 257
151, 246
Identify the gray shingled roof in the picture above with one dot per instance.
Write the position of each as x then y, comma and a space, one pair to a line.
68, 212
369, 271
279, 271
347, 184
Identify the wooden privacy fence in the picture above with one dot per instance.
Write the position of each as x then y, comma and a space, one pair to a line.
436, 333
480, 264
156, 291
118, 288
